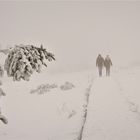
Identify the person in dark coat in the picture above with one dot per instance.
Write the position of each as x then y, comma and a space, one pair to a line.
107, 64
100, 64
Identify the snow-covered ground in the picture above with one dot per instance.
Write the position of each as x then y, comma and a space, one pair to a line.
113, 110
75, 106
56, 114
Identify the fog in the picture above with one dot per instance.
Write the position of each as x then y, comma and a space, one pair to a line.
76, 32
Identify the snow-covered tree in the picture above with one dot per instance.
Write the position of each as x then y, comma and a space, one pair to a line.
1, 71
2, 93
23, 60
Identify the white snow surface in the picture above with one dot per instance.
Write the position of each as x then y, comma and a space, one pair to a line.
113, 108
54, 115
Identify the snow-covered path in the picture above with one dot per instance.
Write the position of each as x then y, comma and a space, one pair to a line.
109, 117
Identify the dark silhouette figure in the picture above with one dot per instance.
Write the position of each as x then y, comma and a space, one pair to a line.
100, 64
107, 64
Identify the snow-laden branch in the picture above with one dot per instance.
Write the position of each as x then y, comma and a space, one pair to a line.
23, 60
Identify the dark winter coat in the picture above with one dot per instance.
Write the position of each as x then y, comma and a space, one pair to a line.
107, 63
100, 61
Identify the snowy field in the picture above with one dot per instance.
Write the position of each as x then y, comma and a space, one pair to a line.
113, 110
73, 106
68, 100
56, 114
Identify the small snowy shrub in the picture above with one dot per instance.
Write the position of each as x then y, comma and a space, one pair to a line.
23, 60
43, 88
67, 86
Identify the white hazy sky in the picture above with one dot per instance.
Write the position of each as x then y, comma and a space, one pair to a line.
75, 31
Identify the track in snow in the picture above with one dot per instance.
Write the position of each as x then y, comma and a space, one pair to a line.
87, 95
108, 116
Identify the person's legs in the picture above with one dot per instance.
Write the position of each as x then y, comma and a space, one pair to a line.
106, 71
100, 71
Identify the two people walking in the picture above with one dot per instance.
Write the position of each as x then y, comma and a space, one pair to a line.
101, 62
